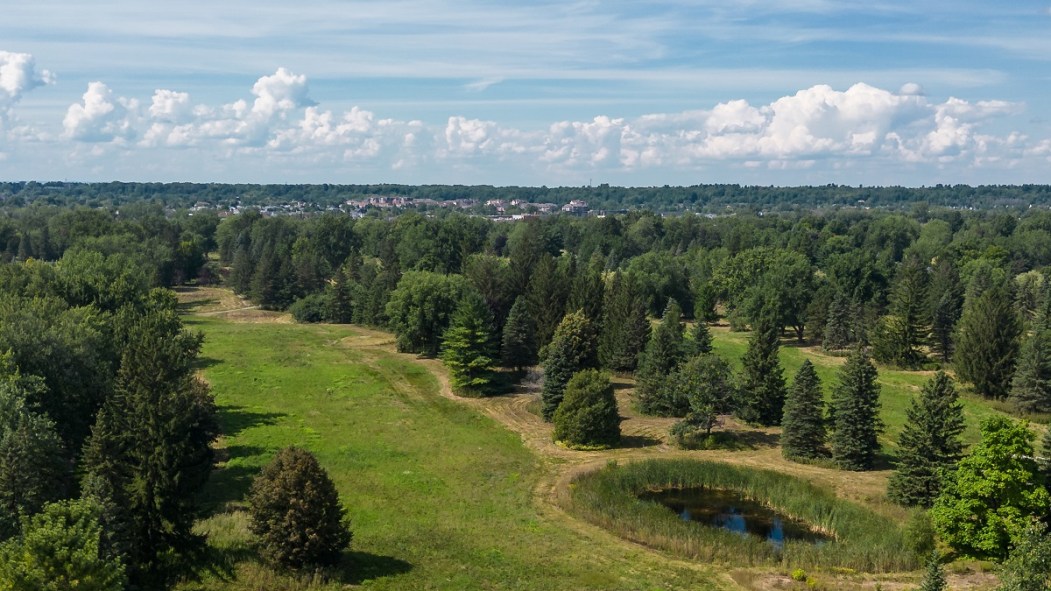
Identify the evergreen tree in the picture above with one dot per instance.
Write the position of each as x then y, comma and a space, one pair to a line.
572, 349
762, 392
700, 341
987, 343
625, 327
587, 291
546, 298
588, 414
467, 348
518, 348
934, 576
803, 426
900, 334
997, 488
1031, 384
855, 414
706, 384
295, 511
664, 352
837, 334
340, 306
945, 300
929, 445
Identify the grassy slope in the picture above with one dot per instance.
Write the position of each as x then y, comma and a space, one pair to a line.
440, 497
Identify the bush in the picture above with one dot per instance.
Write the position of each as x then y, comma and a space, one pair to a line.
311, 308
588, 414
295, 511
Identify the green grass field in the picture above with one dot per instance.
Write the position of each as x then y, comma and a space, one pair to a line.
440, 497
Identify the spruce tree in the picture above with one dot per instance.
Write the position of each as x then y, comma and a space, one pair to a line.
837, 334
901, 333
934, 576
572, 349
518, 349
987, 343
664, 352
625, 327
855, 414
340, 307
588, 415
700, 341
1031, 384
945, 300
546, 298
803, 426
762, 391
587, 291
929, 444
468, 346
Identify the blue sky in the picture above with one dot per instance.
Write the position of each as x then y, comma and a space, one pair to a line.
555, 93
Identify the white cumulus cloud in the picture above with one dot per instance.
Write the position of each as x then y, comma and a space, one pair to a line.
18, 75
100, 117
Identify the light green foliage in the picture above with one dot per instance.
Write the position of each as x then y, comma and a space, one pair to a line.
929, 445
588, 414
1028, 566
988, 343
803, 426
60, 549
295, 512
660, 276
468, 346
934, 576
855, 414
572, 349
997, 488
421, 308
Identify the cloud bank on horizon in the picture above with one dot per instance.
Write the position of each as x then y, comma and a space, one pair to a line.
848, 128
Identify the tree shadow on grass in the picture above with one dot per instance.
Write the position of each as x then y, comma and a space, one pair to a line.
731, 440
229, 483
235, 419
359, 567
637, 441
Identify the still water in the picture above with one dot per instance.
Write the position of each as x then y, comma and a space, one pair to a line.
729, 510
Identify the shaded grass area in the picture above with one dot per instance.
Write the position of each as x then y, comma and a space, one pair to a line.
864, 540
439, 496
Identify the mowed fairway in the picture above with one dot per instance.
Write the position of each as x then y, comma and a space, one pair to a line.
440, 496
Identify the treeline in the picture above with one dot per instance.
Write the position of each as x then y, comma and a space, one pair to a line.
710, 198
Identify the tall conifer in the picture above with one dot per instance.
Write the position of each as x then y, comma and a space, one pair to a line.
625, 327
803, 426
987, 343
1031, 384
762, 388
855, 414
572, 349
519, 339
664, 352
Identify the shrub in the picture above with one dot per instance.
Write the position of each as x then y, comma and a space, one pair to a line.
311, 308
588, 414
295, 511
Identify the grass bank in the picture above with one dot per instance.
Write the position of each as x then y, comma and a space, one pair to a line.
864, 540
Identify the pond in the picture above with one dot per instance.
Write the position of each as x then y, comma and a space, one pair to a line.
729, 510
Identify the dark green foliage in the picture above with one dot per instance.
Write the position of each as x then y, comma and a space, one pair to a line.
930, 444
312, 308
295, 512
700, 340
588, 290
588, 414
421, 308
934, 576
661, 276
518, 346
572, 349
1028, 567
986, 505
899, 335
762, 388
339, 303
60, 549
987, 343
468, 347
803, 426
490, 276
855, 414
625, 327
945, 300
706, 384
548, 291
664, 352
838, 334
1031, 384
150, 447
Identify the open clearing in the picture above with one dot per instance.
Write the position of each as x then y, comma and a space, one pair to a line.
452, 493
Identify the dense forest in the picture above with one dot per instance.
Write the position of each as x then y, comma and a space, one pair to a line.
105, 428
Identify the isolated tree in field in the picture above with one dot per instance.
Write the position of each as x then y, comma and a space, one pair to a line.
60, 549
625, 327
572, 349
706, 383
987, 503
803, 426
700, 341
663, 353
421, 308
1031, 384
945, 301
1028, 566
838, 327
295, 512
588, 414
762, 393
468, 346
518, 349
930, 444
934, 576
855, 414
987, 343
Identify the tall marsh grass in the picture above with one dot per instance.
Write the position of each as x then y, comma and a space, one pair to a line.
862, 540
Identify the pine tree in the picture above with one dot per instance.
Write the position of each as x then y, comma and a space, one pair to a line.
340, 307
855, 414
664, 352
803, 426
929, 444
934, 576
588, 415
518, 349
572, 349
945, 300
762, 391
987, 343
467, 346
587, 291
837, 333
700, 341
899, 335
625, 327
546, 299
1031, 384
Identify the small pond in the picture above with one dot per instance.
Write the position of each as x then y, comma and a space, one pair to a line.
729, 510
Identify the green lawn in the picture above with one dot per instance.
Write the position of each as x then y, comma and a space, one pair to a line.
440, 497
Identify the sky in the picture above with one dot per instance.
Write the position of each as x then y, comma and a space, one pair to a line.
567, 93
